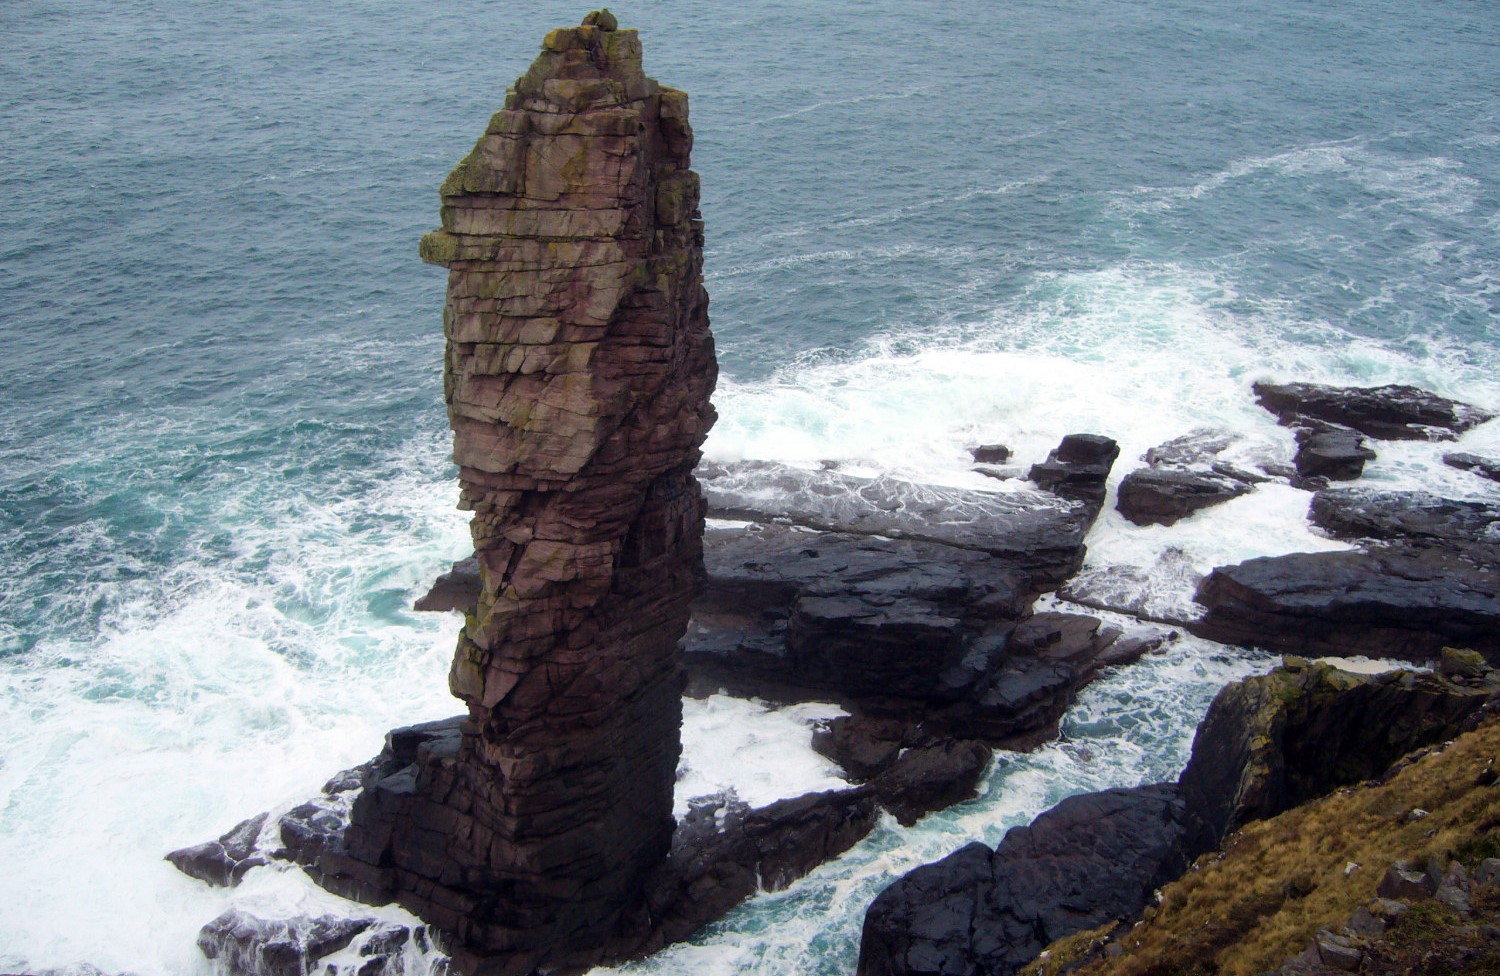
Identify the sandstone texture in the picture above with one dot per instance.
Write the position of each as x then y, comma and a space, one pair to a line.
578, 371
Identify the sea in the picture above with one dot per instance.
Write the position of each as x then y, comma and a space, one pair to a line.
224, 458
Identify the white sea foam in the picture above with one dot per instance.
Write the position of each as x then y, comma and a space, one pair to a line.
1125, 730
758, 753
208, 696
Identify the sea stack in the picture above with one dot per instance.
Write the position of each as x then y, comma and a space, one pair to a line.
578, 372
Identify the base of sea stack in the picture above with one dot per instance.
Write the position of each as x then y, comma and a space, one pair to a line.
722, 853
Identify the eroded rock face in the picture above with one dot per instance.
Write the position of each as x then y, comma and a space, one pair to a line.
1270, 743
578, 372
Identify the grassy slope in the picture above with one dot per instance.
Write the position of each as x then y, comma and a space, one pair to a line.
1280, 880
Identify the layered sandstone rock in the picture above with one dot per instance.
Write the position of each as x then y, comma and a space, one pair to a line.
578, 372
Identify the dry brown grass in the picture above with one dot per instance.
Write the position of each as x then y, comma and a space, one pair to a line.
1280, 880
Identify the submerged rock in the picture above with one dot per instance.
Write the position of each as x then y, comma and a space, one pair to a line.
990, 454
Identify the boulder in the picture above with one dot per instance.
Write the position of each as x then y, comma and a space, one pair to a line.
1088, 861
913, 772
1163, 495
1078, 468
1331, 453
924, 779
1383, 412
990, 454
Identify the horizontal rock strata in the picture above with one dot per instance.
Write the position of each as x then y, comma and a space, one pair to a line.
917, 631
1037, 532
579, 367
1383, 412
1428, 577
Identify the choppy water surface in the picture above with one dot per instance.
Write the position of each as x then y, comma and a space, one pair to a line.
223, 470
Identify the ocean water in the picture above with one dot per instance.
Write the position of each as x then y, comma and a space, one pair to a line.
223, 454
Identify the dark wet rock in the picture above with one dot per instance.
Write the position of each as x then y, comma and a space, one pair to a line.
1078, 468
893, 628
724, 852
1183, 475
457, 589
863, 745
1401, 602
924, 779
223, 862
1383, 412
245, 945
1266, 745
1332, 453
913, 772
1035, 531
1482, 466
990, 454
1270, 743
1163, 496
1089, 860
1430, 579
1364, 513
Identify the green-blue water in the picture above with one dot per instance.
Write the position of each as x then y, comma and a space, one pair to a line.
223, 467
